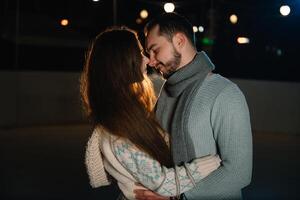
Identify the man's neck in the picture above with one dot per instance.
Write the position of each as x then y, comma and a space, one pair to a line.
187, 58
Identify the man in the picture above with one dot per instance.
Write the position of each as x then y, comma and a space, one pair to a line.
204, 112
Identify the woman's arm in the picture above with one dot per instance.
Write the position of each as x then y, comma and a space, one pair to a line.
164, 181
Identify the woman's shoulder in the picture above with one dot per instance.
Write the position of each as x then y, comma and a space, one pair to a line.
107, 138
104, 134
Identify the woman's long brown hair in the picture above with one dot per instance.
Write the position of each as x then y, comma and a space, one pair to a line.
118, 96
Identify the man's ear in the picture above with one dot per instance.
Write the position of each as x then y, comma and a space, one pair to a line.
179, 41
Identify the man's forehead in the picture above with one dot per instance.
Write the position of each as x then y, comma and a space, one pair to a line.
153, 32
152, 35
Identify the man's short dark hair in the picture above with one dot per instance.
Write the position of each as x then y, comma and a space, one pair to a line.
170, 24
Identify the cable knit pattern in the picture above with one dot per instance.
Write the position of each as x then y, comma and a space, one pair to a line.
94, 162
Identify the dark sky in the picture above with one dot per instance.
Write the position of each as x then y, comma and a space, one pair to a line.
32, 39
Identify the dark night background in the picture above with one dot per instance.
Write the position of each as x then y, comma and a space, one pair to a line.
32, 38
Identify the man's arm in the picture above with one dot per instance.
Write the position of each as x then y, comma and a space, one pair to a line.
232, 131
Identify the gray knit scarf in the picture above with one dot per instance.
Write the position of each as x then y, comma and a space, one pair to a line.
183, 85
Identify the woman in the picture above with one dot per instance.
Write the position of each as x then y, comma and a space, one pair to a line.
119, 99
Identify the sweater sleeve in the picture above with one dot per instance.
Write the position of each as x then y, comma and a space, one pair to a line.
230, 121
94, 162
158, 178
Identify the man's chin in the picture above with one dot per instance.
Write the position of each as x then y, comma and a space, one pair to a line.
165, 74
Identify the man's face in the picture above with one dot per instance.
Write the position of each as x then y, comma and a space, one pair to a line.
162, 52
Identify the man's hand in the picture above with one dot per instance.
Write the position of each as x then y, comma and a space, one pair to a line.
141, 194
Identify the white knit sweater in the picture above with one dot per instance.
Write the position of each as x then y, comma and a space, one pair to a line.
128, 165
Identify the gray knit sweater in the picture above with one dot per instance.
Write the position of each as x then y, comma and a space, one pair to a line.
207, 117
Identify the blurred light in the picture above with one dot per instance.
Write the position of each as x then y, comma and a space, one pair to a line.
64, 22
279, 52
285, 10
195, 29
144, 14
243, 40
201, 29
233, 19
207, 41
169, 7
138, 20
95, 0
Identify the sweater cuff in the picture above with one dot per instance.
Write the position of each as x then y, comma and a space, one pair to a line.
207, 165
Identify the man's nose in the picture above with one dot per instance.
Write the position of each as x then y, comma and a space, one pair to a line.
152, 61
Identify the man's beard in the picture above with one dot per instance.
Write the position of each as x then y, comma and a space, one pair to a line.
172, 65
